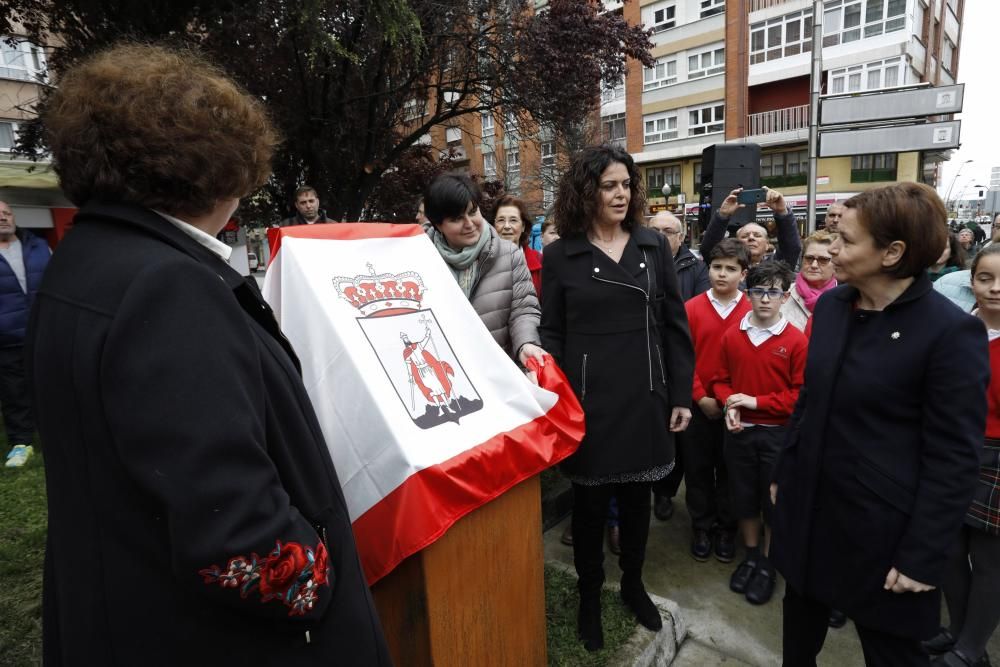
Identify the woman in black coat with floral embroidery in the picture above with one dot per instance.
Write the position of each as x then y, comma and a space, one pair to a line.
614, 320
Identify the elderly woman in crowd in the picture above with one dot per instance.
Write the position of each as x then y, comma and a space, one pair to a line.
883, 451
195, 516
490, 270
815, 277
511, 220
614, 320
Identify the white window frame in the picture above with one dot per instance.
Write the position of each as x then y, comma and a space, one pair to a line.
412, 110
490, 165
657, 177
667, 18
548, 197
663, 73
711, 8
659, 127
919, 13
14, 128
947, 54
799, 22
613, 94
715, 124
716, 64
513, 158
857, 78
488, 124
608, 124
868, 18
23, 61
781, 164
453, 135
548, 153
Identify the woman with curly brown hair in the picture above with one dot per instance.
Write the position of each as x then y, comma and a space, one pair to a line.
195, 516
614, 320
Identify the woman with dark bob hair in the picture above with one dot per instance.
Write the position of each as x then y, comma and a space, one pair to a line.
882, 455
512, 222
195, 516
491, 271
614, 320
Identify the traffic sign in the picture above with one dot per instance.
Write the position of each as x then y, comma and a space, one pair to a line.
890, 105
893, 139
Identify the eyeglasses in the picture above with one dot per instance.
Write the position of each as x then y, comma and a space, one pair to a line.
760, 293
809, 259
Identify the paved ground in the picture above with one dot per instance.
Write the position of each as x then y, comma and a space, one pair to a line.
724, 629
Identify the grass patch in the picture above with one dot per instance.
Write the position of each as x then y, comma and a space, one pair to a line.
561, 604
22, 551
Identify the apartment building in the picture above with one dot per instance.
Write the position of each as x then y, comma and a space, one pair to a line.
30, 188
738, 71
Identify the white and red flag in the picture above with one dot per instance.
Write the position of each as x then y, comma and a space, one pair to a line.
426, 417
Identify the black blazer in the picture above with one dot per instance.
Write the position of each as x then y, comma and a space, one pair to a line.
900, 498
619, 331
183, 457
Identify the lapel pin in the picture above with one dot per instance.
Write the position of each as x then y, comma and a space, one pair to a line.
895, 335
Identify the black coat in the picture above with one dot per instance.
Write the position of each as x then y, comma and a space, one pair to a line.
692, 273
886, 483
178, 436
619, 332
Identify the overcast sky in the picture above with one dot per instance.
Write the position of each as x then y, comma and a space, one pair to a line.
979, 60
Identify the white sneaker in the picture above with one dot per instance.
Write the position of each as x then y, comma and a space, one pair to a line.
19, 455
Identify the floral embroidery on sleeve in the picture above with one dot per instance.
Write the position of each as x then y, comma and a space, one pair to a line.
291, 574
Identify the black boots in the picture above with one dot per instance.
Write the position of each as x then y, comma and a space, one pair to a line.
588, 622
634, 596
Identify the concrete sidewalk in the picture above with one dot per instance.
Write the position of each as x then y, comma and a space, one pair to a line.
723, 628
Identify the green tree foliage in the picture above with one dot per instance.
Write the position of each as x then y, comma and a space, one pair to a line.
354, 84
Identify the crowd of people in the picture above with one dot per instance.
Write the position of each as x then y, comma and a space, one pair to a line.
804, 391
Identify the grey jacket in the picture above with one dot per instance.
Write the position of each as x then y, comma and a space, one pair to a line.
504, 296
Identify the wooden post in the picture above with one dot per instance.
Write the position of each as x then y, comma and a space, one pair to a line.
476, 596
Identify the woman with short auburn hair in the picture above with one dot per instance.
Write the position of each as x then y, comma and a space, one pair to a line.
883, 450
614, 320
187, 474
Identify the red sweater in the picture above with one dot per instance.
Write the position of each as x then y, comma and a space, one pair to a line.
993, 393
706, 334
773, 373
533, 259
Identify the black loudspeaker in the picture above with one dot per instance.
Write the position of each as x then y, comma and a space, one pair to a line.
725, 167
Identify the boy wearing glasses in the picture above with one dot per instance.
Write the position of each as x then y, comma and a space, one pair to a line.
760, 373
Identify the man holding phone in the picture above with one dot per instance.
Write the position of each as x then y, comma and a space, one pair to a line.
753, 235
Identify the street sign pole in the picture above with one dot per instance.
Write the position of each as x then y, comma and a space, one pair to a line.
816, 86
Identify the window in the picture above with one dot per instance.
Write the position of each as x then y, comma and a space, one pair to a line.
548, 150
660, 16
23, 61
697, 177
870, 76
412, 110
712, 7
453, 135
616, 92
872, 168
513, 161
662, 73
510, 123
490, 165
706, 120
613, 129
487, 120
844, 20
781, 169
659, 127
8, 135
657, 177
548, 197
948, 55
782, 36
919, 11
707, 63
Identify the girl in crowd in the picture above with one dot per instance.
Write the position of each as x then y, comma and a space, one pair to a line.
491, 272
952, 259
614, 320
973, 593
510, 218
883, 448
815, 278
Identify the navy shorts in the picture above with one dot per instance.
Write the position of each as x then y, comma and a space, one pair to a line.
750, 456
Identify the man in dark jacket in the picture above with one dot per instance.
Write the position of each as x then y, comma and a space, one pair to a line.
692, 279
23, 258
307, 210
752, 234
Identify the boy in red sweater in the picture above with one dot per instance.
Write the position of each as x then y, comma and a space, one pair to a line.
710, 314
760, 372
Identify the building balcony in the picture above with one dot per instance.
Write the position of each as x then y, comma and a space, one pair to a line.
757, 5
778, 120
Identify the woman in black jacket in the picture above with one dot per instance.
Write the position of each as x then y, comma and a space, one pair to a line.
614, 320
195, 516
883, 450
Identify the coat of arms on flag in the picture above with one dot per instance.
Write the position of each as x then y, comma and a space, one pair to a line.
409, 343
425, 416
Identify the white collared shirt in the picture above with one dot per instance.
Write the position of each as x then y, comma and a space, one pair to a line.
215, 245
723, 309
758, 335
991, 334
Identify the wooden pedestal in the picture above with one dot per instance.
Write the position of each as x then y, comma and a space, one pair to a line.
476, 596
